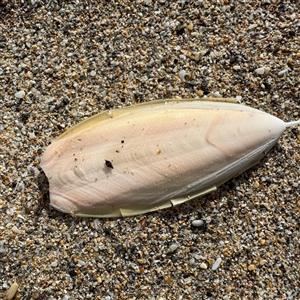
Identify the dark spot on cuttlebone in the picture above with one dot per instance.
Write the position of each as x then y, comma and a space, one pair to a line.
108, 164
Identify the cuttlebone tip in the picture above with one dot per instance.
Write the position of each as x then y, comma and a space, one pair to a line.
293, 123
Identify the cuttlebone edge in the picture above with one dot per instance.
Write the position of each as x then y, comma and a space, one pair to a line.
108, 114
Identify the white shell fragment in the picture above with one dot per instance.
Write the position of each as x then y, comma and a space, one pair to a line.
20, 94
260, 71
198, 223
155, 155
216, 264
12, 291
182, 74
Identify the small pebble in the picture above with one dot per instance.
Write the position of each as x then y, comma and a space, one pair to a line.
251, 267
217, 95
173, 248
252, 26
80, 263
197, 223
203, 266
190, 26
267, 70
182, 74
216, 264
2, 249
54, 264
281, 73
260, 71
12, 291
256, 184
199, 93
16, 230
262, 241
236, 68
20, 94
263, 262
